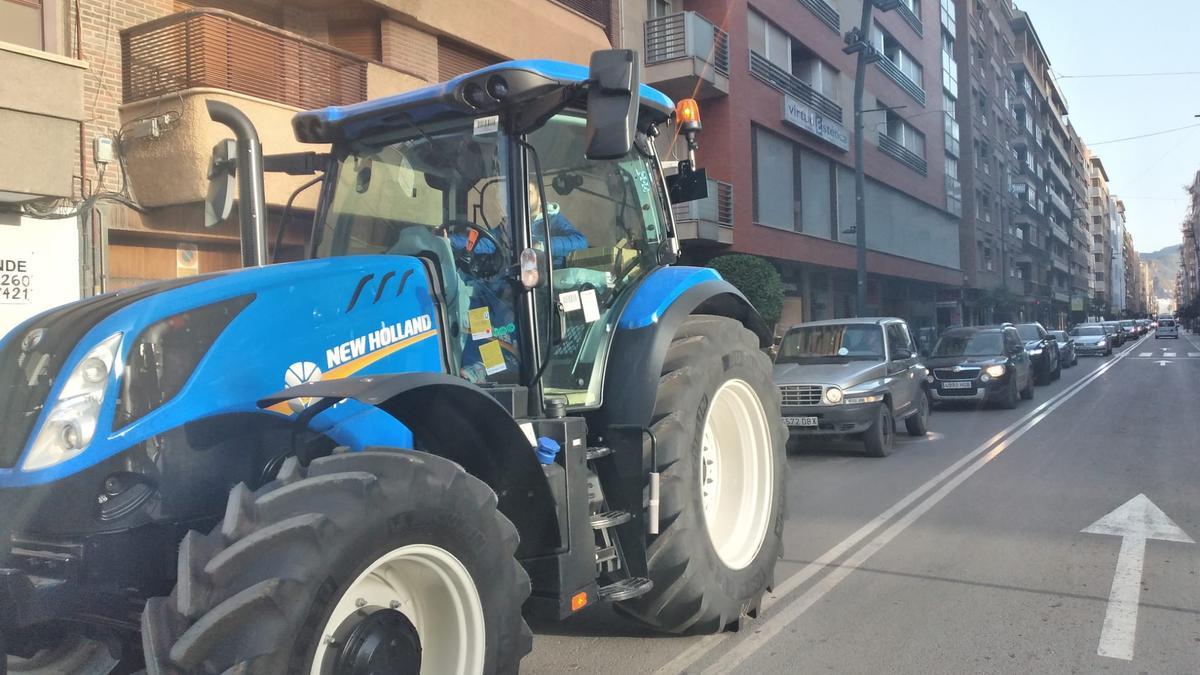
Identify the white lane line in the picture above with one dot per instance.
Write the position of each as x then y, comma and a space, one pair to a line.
1144, 354
1193, 355
702, 647
1168, 355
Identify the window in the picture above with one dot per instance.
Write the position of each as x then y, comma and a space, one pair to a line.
816, 192
892, 51
1095, 220
1095, 182
913, 6
814, 72
23, 24
1095, 201
775, 179
905, 134
657, 8
898, 341
768, 40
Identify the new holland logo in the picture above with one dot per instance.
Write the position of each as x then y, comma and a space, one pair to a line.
303, 372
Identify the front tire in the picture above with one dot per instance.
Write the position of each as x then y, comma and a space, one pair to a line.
719, 431
918, 424
395, 548
1027, 392
74, 654
1011, 395
881, 435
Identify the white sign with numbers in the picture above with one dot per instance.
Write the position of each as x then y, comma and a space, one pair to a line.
39, 267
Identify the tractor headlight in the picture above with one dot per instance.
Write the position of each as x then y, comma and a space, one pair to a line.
73, 417
833, 395
995, 371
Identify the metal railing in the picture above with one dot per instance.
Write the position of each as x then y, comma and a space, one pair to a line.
222, 50
784, 81
599, 11
827, 14
683, 35
911, 18
893, 71
897, 150
716, 208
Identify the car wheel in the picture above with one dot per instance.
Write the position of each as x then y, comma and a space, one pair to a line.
1057, 372
1074, 359
881, 434
1027, 392
918, 424
1041, 376
1109, 352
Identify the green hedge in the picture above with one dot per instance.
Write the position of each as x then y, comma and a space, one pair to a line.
757, 279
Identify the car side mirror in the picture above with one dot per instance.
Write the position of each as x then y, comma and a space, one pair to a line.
902, 354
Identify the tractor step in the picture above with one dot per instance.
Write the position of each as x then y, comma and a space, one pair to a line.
626, 589
609, 519
598, 451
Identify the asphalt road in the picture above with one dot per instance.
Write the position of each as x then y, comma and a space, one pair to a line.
963, 552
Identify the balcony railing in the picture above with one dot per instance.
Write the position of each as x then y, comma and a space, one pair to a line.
897, 150
685, 35
828, 15
914, 89
784, 81
1060, 204
709, 219
910, 18
213, 48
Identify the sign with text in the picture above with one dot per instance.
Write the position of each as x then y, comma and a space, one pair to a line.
804, 117
39, 268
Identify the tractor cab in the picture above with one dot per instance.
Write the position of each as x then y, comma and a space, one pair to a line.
533, 191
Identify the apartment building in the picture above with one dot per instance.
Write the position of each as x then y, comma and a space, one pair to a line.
776, 92
1100, 222
107, 139
1118, 273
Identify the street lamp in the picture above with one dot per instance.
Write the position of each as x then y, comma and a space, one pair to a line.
858, 42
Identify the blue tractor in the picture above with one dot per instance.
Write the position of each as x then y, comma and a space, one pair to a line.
486, 395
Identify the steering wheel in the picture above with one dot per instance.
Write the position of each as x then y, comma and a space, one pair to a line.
476, 263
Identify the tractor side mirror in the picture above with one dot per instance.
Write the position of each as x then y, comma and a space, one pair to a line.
612, 103
222, 169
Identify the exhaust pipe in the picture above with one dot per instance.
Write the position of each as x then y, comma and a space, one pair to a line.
252, 206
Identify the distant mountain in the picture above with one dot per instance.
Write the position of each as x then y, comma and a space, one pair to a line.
1164, 263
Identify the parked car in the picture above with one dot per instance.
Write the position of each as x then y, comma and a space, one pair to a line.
981, 364
1145, 324
1066, 348
1119, 335
852, 377
1131, 327
1043, 350
1167, 328
1092, 338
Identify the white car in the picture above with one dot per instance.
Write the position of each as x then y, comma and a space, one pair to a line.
1166, 328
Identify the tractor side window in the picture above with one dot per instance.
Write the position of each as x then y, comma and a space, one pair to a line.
439, 193
605, 230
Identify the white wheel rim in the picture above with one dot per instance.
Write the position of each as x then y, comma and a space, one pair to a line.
736, 473
429, 586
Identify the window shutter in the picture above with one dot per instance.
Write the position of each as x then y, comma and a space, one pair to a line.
456, 58
357, 36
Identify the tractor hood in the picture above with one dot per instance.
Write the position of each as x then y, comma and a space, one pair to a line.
158, 356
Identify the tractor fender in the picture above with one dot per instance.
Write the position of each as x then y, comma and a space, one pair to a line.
457, 420
648, 324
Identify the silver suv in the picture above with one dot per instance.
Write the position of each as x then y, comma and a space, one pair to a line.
852, 376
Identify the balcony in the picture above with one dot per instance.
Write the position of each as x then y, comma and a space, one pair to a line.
828, 15
1058, 173
1060, 263
1059, 204
914, 89
687, 56
175, 64
1062, 296
784, 81
911, 18
41, 105
891, 146
707, 221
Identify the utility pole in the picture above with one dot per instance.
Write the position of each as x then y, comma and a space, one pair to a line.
858, 41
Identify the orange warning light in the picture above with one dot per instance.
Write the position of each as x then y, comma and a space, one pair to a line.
578, 601
687, 112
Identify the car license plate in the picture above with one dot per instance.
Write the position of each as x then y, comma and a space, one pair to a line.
965, 384
800, 421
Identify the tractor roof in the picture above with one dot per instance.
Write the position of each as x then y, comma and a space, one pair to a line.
526, 82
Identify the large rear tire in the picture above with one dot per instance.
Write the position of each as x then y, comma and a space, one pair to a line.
721, 454
74, 654
391, 560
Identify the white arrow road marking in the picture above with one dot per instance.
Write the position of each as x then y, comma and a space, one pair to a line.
1135, 521
1163, 363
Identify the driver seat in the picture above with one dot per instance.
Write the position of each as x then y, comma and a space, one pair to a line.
414, 240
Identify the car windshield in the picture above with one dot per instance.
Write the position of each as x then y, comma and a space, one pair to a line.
1087, 330
1028, 331
1059, 335
970, 344
832, 342
1127, 324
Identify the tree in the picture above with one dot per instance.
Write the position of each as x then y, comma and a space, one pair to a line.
757, 279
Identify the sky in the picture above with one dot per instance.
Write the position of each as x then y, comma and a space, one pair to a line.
1114, 37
